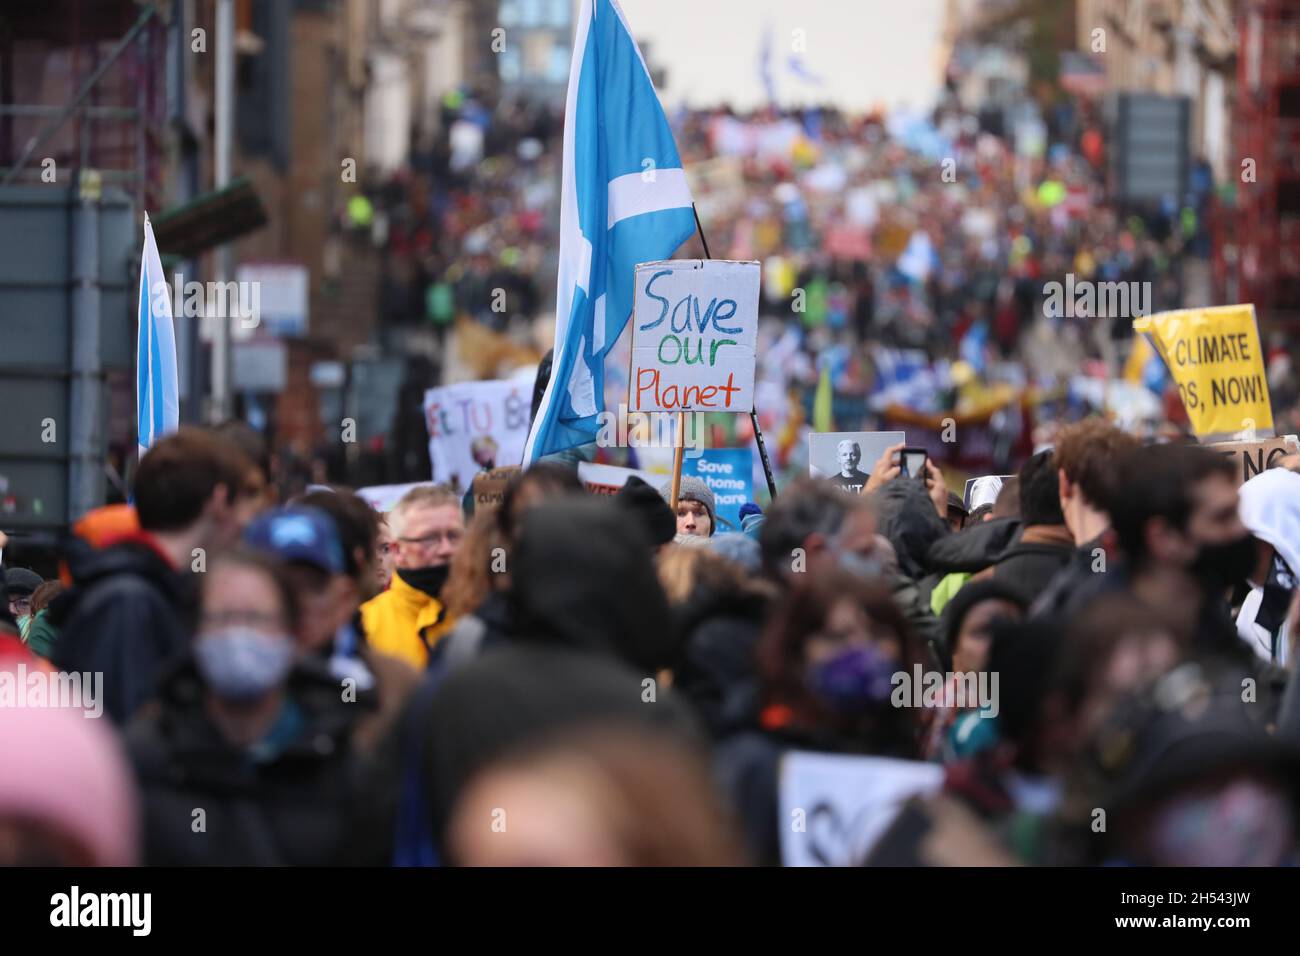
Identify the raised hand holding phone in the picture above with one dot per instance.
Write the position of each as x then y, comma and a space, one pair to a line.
885, 469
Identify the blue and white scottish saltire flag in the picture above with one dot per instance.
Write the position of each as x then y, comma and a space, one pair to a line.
624, 200
156, 404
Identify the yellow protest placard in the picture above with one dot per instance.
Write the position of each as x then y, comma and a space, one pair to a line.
1215, 357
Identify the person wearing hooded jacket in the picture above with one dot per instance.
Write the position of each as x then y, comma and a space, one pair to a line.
590, 632
910, 523
476, 592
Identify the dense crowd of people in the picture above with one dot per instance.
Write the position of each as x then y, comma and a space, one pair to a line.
248, 665
907, 264
580, 679
933, 237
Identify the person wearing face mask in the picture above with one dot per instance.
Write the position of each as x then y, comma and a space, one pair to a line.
245, 756
1184, 546
826, 663
409, 618
814, 528
1188, 777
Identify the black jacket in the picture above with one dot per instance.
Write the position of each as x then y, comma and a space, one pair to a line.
313, 803
125, 616
972, 549
583, 577
588, 627
969, 551
908, 519
716, 669
1030, 564
1092, 569
488, 626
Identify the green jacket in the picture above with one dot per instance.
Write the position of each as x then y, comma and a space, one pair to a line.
41, 634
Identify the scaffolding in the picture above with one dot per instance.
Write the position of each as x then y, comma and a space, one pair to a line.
83, 84
1267, 133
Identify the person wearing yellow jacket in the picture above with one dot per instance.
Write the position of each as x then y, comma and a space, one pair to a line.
408, 619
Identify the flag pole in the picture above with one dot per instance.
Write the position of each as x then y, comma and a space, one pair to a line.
677, 461
753, 414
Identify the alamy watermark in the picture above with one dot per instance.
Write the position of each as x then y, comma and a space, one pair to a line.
966, 690
233, 300
1085, 299
20, 688
625, 429
133, 911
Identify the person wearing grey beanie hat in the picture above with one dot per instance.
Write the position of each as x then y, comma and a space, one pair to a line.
696, 511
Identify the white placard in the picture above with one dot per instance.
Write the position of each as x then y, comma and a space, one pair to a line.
694, 335
846, 458
845, 803
983, 490
474, 424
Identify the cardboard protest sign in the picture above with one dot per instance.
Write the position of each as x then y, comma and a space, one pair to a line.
607, 479
1253, 457
490, 487
472, 424
983, 490
729, 473
846, 457
694, 334
1215, 357
845, 803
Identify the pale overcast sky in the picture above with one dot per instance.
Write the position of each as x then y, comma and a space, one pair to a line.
864, 52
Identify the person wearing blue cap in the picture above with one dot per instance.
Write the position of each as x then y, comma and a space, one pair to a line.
350, 653
306, 540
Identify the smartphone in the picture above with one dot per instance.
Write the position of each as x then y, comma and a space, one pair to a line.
911, 462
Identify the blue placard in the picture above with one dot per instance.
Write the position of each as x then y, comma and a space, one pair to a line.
729, 473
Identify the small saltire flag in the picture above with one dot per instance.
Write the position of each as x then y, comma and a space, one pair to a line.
156, 404
623, 200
